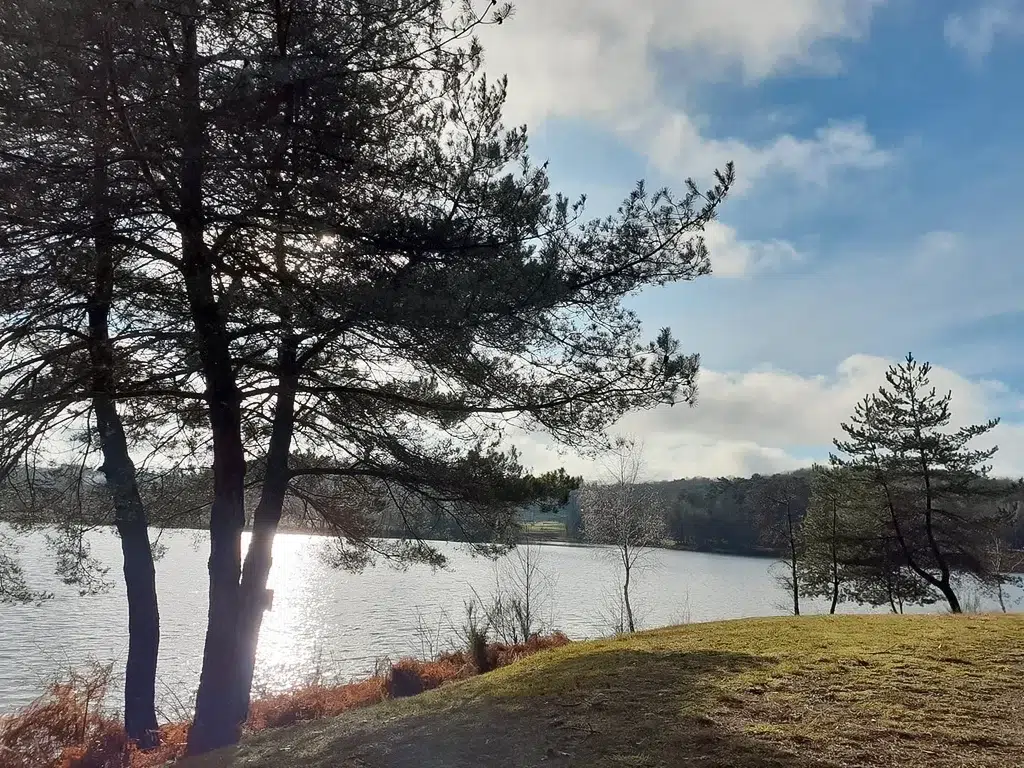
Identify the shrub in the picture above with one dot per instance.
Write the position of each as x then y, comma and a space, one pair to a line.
313, 702
65, 728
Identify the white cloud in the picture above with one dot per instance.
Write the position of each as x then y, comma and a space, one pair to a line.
732, 257
771, 421
599, 60
975, 33
675, 144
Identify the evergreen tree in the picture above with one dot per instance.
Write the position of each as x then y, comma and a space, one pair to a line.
356, 280
819, 567
920, 488
848, 554
72, 221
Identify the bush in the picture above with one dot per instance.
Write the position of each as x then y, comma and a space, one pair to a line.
474, 634
313, 702
65, 727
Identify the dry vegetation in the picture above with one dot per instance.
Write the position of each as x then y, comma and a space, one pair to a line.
827, 692
66, 729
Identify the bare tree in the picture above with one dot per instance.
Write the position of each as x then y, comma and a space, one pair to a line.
1003, 562
782, 500
520, 606
625, 515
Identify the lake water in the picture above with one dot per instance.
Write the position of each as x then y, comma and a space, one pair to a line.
343, 623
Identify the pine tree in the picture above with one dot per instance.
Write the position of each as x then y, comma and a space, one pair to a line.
819, 568
921, 488
357, 280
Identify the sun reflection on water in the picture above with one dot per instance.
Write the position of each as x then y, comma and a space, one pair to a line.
292, 641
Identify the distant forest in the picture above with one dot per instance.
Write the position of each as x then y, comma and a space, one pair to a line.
734, 515
723, 515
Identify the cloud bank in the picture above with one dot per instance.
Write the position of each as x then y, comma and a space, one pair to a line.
633, 68
772, 421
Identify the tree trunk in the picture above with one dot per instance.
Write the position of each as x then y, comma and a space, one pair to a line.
835, 560
796, 590
630, 624
216, 723
254, 598
139, 577
793, 560
947, 592
942, 583
119, 470
143, 630
890, 584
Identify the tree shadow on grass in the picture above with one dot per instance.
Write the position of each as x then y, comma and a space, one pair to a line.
607, 708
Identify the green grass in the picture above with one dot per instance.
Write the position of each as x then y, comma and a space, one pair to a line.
819, 691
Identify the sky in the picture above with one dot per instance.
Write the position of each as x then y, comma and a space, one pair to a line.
879, 148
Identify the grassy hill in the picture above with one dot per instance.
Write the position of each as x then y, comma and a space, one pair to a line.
908, 691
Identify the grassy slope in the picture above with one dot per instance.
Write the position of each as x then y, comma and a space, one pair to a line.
822, 691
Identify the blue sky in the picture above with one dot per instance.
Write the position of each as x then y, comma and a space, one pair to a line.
880, 149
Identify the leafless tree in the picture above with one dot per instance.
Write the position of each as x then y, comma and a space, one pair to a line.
624, 514
782, 502
520, 606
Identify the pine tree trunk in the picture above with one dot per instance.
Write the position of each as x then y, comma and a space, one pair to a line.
793, 561
947, 592
796, 590
118, 469
835, 560
216, 723
143, 635
139, 577
254, 598
259, 559
253, 602
890, 587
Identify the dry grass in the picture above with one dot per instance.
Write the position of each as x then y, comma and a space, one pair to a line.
66, 729
828, 692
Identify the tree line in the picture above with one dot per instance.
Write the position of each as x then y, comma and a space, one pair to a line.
290, 248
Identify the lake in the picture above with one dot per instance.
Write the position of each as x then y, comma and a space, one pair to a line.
342, 622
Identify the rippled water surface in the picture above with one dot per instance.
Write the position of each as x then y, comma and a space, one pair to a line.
341, 622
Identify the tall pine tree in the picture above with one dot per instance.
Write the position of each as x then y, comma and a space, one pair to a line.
922, 481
